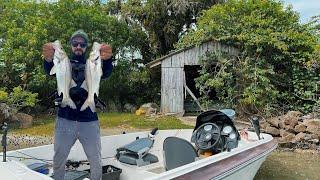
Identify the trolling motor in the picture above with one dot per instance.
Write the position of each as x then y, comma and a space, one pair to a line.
4, 128
256, 125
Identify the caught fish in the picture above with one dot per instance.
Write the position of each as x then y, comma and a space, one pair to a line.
62, 69
93, 73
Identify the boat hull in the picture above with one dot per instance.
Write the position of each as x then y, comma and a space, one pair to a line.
242, 162
243, 165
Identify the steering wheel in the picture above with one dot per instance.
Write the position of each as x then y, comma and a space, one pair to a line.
207, 136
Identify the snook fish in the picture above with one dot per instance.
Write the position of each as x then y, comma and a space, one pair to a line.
93, 73
62, 69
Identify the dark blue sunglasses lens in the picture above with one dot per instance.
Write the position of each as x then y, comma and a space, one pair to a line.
82, 45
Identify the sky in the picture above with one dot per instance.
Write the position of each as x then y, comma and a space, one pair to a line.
306, 8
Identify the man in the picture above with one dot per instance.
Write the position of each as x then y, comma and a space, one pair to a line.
72, 124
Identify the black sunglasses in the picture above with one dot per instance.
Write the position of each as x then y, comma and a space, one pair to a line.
75, 44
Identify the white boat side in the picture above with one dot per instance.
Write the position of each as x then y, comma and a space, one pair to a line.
242, 162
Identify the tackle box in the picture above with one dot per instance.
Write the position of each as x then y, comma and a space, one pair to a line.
110, 172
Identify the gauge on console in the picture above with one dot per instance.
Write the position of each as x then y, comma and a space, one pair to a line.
227, 129
207, 128
232, 136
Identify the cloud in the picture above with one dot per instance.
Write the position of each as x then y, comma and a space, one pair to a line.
306, 8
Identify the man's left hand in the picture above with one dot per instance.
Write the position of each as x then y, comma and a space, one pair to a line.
105, 51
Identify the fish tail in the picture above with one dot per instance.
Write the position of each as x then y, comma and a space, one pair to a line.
89, 104
68, 102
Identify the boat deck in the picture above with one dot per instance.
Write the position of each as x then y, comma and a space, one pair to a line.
245, 150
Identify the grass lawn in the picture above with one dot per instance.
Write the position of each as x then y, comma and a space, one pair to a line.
44, 125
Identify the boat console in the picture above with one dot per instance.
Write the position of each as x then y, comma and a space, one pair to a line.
215, 131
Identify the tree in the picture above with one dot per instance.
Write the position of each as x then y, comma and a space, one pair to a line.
26, 25
162, 21
274, 69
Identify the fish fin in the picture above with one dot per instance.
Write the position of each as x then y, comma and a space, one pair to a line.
73, 83
68, 102
89, 104
84, 85
53, 70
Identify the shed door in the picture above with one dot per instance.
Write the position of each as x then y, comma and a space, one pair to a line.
172, 90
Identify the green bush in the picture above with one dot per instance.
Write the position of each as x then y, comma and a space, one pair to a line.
129, 83
18, 98
3, 96
277, 67
236, 84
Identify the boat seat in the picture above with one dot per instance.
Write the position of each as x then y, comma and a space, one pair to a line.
177, 152
137, 152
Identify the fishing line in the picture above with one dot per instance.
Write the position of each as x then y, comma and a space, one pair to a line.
44, 160
21, 157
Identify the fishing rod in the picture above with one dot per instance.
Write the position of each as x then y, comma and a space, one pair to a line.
32, 157
23, 157
69, 163
76, 164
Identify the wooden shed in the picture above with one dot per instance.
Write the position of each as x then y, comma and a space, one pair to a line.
173, 75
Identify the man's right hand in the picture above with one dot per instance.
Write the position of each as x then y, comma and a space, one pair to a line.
48, 52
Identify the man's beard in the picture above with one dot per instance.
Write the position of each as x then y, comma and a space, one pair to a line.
78, 52
79, 57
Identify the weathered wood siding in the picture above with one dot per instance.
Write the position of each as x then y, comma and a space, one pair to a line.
171, 88
172, 73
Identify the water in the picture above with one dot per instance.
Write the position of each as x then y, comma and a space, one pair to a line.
290, 166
